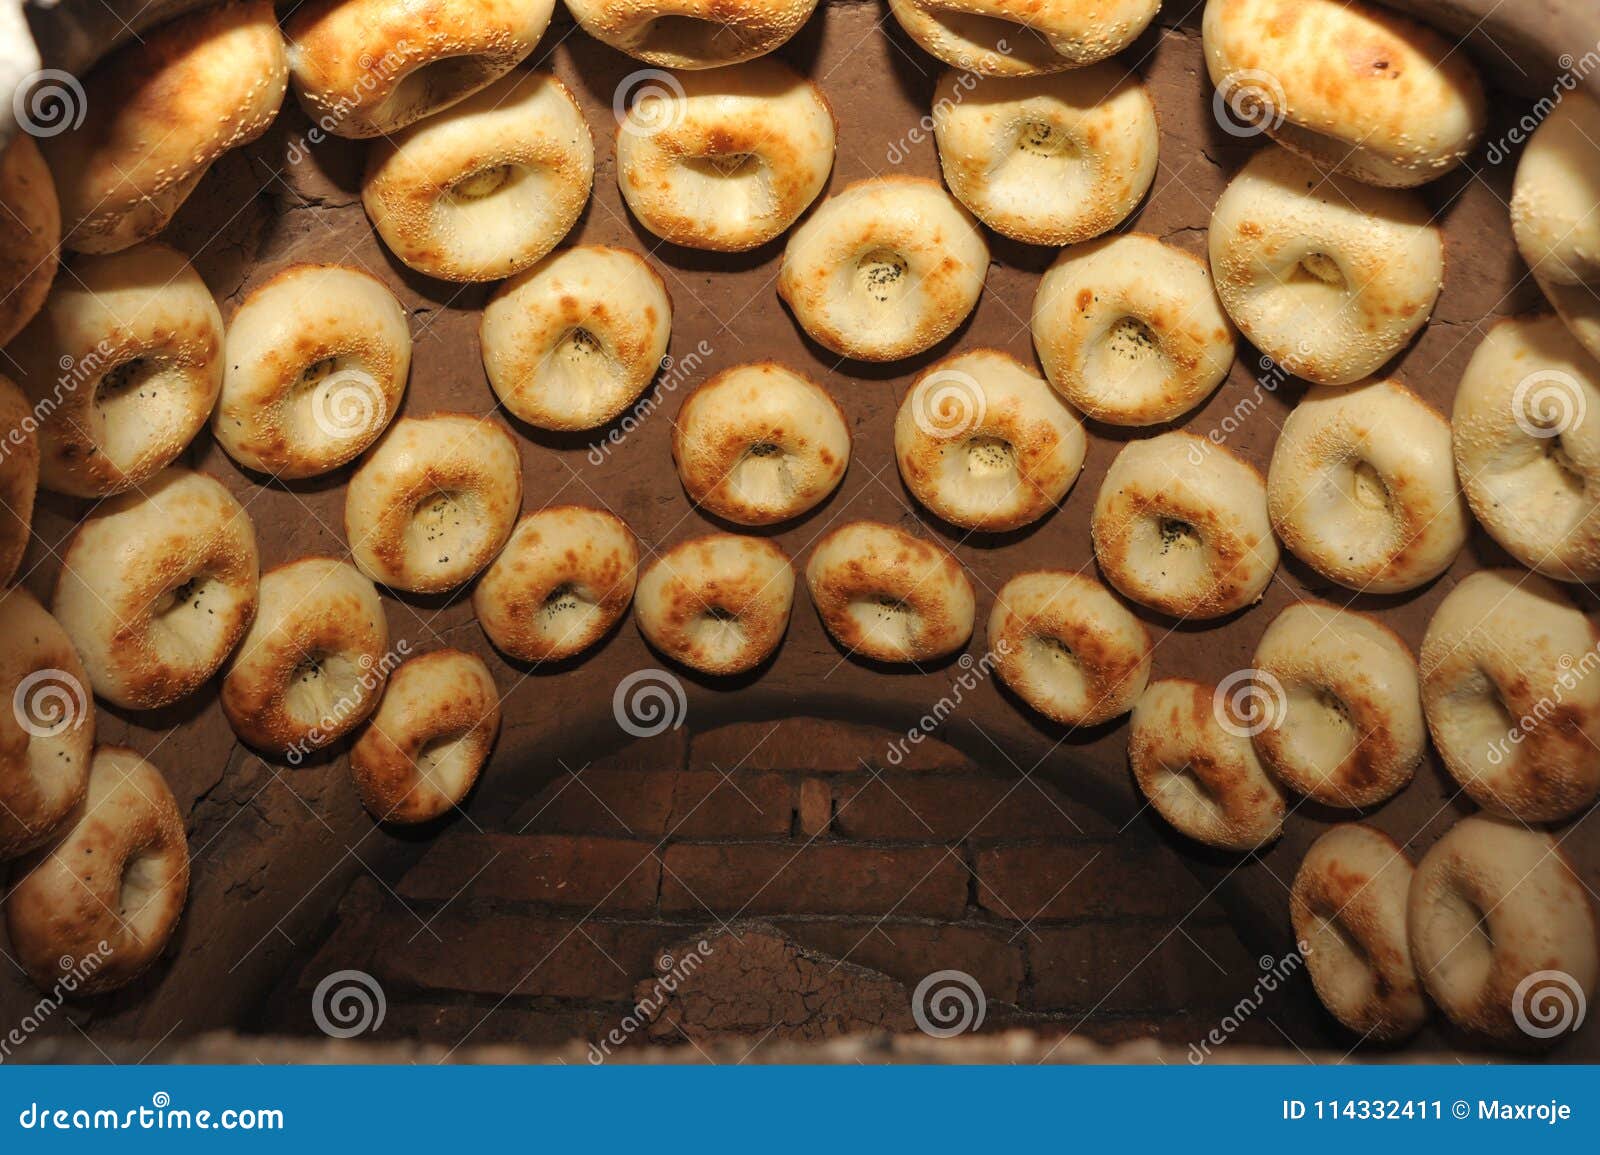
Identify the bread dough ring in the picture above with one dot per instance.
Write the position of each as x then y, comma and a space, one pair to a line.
157, 113
692, 33
1355, 88
317, 360
47, 735
885, 269
562, 581
484, 189
372, 67
1511, 697
573, 341
429, 738
1493, 909
431, 506
111, 890
727, 159
30, 233
19, 477
1130, 330
1362, 487
1049, 160
1328, 277
157, 587
1200, 777
888, 596
1012, 38
1180, 525
122, 365
1527, 445
759, 444
314, 663
718, 604
1553, 213
1068, 648
1348, 906
1350, 731
984, 443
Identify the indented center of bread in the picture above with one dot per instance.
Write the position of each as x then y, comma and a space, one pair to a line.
133, 379
1365, 487
1177, 536
990, 456
881, 275
1040, 138
139, 887
485, 182
322, 689
437, 83
443, 524
728, 166
1321, 268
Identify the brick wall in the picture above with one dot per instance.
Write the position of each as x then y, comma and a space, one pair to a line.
826, 883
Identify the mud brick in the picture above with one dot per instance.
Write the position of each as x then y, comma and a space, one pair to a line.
706, 804
602, 801
814, 746
521, 954
910, 951
948, 808
488, 1025
1085, 879
821, 878
608, 875
816, 806
653, 803
1137, 969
